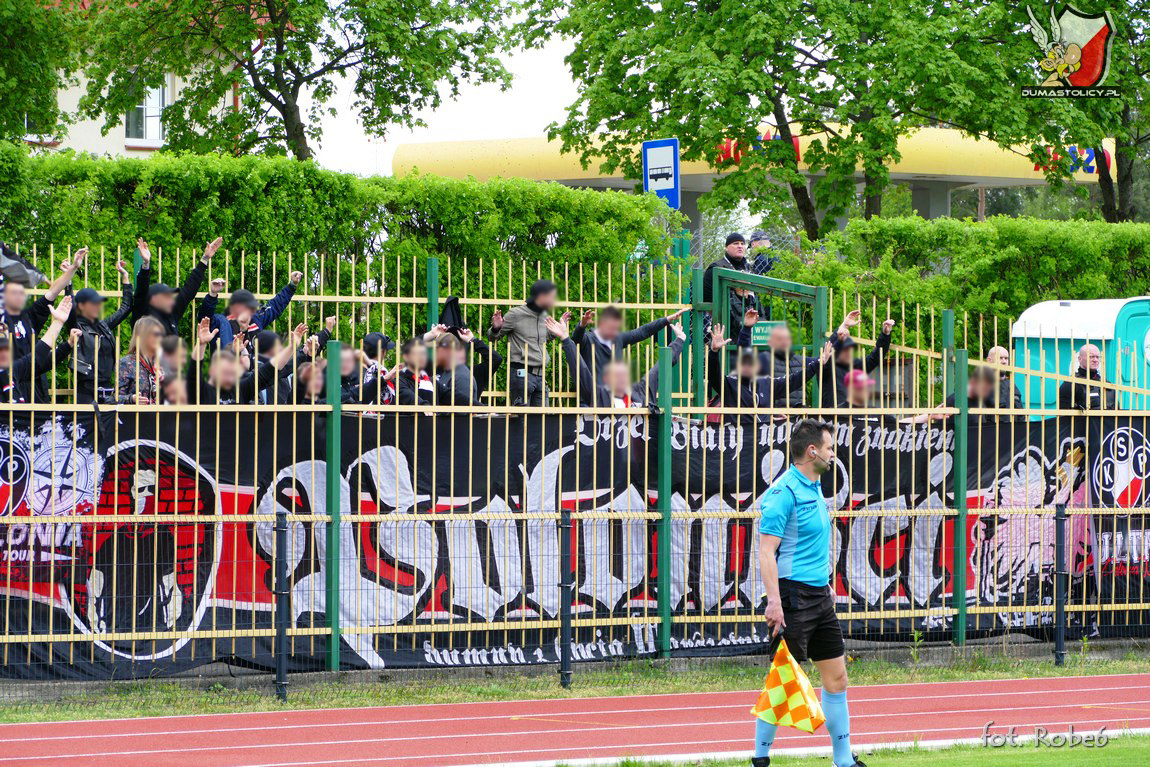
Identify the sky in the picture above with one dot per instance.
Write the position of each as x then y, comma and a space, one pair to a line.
540, 92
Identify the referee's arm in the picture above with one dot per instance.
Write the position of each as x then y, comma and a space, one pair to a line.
768, 545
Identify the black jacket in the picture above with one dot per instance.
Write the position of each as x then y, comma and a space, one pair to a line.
760, 391
594, 393
1088, 395
464, 386
775, 364
598, 353
16, 382
274, 385
184, 298
22, 330
95, 355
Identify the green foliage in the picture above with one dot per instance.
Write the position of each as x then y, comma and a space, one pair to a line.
286, 58
995, 268
288, 215
37, 51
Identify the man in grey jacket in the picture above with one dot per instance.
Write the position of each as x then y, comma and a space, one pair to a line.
527, 336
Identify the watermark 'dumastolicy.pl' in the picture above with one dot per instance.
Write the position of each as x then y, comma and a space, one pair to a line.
1042, 737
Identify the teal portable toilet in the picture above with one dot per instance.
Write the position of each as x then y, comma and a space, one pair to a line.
1048, 335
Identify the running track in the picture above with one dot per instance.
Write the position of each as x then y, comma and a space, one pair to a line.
574, 730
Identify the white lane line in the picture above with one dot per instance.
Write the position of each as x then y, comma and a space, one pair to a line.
559, 731
860, 688
694, 759
544, 713
614, 760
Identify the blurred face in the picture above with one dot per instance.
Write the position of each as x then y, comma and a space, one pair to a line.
859, 394
780, 339
150, 341
748, 366
737, 250
444, 357
416, 357
315, 380
979, 389
608, 328
243, 314
90, 310
165, 302
6, 357
223, 372
759, 244
617, 378
175, 391
178, 359
845, 356
547, 300
15, 297
346, 362
1089, 357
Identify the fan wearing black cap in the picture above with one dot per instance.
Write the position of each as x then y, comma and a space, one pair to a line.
244, 310
744, 387
374, 388
18, 372
268, 347
527, 336
832, 386
24, 321
164, 303
95, 358
734, 257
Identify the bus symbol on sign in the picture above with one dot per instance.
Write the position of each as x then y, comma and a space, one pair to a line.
661, 169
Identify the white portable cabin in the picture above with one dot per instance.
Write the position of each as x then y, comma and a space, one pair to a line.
1047, 336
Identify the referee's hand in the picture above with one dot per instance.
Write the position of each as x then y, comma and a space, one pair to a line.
774, 615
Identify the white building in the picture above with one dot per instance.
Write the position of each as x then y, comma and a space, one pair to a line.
138, 134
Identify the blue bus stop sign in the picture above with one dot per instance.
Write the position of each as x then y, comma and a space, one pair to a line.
661, 169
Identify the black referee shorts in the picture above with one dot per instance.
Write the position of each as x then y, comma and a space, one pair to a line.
812, 629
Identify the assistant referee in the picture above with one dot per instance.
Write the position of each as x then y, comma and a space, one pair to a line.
794, 558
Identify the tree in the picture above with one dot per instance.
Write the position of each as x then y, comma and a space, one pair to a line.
258, 75
1130, 63
37, 55
848, 74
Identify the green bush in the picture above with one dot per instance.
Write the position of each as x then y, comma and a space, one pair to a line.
297, 216
982, 270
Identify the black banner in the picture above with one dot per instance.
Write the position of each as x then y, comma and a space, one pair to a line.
449, 547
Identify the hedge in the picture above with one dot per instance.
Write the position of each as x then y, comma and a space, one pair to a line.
995, 268
303, 214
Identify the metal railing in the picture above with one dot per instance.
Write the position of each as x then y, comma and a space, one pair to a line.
147, 539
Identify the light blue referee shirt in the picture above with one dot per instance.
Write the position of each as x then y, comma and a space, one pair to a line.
794, 510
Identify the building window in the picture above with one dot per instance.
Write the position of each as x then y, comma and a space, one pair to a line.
143, 122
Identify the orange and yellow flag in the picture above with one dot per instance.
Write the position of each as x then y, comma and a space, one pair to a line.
787, 698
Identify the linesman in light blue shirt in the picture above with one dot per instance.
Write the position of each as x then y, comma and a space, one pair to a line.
795, 562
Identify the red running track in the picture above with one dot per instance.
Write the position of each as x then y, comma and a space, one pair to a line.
571, 730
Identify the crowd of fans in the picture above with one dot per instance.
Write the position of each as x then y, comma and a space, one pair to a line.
236, 357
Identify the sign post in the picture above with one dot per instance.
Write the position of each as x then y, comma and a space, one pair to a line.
661, 169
